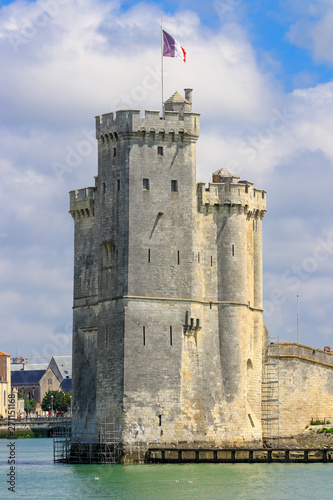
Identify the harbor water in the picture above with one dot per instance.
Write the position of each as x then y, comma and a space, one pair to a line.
36, 476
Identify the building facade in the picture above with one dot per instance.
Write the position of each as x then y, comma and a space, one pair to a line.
168, 332
5, 387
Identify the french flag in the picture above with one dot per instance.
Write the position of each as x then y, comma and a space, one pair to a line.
171, 47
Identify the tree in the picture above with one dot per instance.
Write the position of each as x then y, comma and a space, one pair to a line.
29, 404
61, 401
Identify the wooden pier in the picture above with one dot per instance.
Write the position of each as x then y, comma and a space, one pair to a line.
239, 455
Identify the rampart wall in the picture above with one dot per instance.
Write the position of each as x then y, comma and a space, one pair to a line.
305, 386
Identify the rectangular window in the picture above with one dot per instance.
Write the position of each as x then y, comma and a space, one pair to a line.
145, 184
211, 261
114, 152
233, 250
170, 335
118, 184
159, 150
160, 420
174, 186
144, 335
178, 257
199, 257
148, 255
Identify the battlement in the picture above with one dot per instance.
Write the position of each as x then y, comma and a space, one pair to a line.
299, 351
82, 202
178, 122
231, 197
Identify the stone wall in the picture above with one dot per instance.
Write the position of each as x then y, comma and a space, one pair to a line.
305, 386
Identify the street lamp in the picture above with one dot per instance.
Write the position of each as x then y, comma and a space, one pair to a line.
71, 404
52, 405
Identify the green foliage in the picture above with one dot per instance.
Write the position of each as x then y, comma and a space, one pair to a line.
29, 404
324, 430
317, 422
61, 401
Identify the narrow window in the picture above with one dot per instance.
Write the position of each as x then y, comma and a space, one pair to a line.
114, 152
246, 188
199, 257
148, 255
210, 305
251, 420
254, 193
145, 184
104, 187
170, 335
263, 195
144, 335
118, 184
233, 250
49, 381
160, 420
211, 261
160, 150
174, 186
238, 192
178, 257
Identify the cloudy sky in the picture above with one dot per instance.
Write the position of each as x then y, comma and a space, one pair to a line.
261, 71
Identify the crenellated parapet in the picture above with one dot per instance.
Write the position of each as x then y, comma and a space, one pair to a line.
82, 202
174, 126
231, 198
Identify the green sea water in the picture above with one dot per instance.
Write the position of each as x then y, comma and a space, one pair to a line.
36, 477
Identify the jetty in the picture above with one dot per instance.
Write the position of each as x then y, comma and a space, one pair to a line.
239, 455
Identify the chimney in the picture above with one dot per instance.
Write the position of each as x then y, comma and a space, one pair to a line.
188, 95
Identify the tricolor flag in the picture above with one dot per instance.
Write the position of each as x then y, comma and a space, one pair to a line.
171, 47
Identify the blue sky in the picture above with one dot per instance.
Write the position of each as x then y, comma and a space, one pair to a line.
252, 65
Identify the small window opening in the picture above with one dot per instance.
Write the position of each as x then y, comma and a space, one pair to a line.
211, 261
144, 335
199, 257
263, 195
160, 150
238, 192
174, 186
246, 188
114, 152
145, 184
254, 193
210, 305
178, 257
170, 335
160, 420
251, 420
104, 187
233, 250
148, 255
118, 184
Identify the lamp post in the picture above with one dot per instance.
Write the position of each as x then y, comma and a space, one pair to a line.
71, 404
52, 405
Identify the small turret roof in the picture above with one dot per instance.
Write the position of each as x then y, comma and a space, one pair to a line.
224, 172
176, 97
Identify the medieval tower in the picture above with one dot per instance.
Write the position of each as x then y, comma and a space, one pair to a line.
167, 319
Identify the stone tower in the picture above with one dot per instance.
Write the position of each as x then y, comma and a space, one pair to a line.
167, 321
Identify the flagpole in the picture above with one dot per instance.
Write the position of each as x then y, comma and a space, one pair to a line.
162, 67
